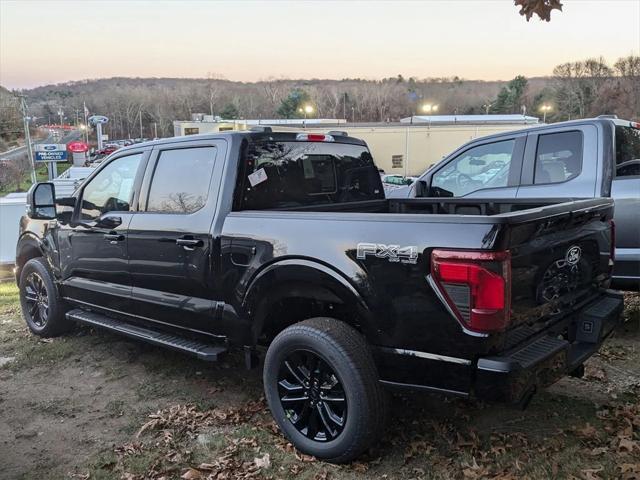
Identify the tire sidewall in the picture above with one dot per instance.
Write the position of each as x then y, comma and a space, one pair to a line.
351, 382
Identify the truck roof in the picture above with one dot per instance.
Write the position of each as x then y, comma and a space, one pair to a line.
602, 120
258, 134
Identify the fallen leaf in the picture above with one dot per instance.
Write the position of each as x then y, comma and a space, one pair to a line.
191, 474
264, 462
592, 473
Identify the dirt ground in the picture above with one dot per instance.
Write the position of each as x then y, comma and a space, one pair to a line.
93, 405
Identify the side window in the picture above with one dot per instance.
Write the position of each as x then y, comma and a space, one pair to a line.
627, 151
181, 179
479, 168
111, 190
558, 157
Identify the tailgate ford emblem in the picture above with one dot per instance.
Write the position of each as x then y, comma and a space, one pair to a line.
573, 255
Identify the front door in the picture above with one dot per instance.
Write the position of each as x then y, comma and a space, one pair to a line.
93, 245
172, 252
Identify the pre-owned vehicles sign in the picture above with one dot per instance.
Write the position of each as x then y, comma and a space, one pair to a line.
50, 152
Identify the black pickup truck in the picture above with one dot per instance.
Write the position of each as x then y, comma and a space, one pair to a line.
285, 240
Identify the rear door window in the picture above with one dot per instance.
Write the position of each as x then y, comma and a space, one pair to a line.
558, 157
482, 167
181, 179
282, 175
627, 151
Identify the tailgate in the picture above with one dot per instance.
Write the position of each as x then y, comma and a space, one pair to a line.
560, 259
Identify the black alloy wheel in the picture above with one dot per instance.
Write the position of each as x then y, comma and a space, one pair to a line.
312, 396
42, 307
36, 299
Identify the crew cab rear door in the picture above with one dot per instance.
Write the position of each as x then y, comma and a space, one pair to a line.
172, 252
562, 163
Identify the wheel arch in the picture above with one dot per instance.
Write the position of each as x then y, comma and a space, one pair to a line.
292, 290
29, 246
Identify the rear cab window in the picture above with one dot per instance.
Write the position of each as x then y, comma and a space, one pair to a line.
292, 174
627, 151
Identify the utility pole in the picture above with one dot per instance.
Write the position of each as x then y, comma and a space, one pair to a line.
344, 106
27, 136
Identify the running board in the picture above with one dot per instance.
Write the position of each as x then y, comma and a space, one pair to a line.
203, 351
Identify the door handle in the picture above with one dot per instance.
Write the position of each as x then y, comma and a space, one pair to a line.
114, 237
189, 242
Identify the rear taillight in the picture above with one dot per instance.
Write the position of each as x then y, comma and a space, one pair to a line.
476, 286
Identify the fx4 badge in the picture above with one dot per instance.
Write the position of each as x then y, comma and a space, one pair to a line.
393, 253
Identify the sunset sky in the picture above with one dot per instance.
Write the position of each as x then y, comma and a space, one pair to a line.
44, 42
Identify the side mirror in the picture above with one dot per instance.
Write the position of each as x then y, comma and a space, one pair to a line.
421, 188
41, 201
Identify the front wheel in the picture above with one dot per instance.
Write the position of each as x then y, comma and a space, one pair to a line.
42, 307
322, 387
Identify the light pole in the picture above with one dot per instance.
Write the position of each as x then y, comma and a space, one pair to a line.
430, 108
27, 136
61, 113
544, 109
487, 107
306, 110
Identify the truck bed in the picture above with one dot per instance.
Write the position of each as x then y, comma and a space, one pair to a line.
498, 210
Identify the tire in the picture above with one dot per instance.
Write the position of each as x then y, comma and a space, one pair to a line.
42, 308
330, 351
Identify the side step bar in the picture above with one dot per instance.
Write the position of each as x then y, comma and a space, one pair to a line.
203, 351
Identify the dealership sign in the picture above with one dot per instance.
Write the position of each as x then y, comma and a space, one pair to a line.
51, 152
77, 147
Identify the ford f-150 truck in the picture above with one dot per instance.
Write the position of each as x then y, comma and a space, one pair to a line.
594, 157
286, 241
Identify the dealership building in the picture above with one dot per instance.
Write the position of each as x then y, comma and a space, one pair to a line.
407, 147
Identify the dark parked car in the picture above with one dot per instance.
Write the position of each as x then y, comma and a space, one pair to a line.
598, 157
286, 240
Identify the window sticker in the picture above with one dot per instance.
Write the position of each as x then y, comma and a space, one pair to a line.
257, 177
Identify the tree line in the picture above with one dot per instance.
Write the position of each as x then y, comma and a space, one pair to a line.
145, 106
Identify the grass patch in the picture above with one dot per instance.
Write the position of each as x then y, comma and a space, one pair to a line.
42, 175
9, 298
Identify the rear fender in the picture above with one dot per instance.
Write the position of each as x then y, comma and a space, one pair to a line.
303, 279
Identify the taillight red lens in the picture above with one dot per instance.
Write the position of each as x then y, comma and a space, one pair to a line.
486, 275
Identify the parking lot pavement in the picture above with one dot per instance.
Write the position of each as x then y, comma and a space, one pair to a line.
93, 405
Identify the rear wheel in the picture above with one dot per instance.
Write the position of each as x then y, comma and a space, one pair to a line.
42, 307
322, 388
